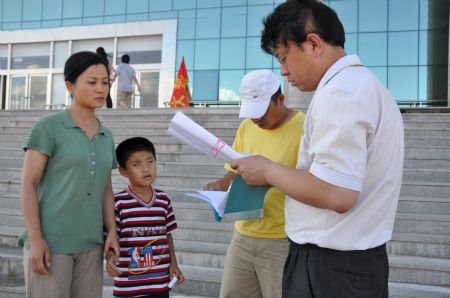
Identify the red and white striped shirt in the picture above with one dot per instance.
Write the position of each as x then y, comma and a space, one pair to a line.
144, 251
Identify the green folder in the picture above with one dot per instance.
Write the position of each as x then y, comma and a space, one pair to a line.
244, 198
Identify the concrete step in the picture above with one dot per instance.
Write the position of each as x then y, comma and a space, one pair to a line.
435, 224
204, 231
424, 205
425, 189
426, 141
427, 163
401, 290
420, 245
417, 270
426, 175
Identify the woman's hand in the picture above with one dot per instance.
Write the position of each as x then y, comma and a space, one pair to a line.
112, 243
39, 257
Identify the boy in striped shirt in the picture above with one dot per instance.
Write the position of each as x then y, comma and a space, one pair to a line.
145, 220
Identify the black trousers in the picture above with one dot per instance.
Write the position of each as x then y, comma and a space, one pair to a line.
311, 271
157, 295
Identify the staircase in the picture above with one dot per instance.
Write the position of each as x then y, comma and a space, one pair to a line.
419, 253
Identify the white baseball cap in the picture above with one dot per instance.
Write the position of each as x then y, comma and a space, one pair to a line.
257, 87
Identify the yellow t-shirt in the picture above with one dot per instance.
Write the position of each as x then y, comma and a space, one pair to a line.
279, 145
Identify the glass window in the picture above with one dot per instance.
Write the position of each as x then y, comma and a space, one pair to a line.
234, 21
31, 25
402, 82
160, 5
136, 17
114, 7
255, 17
137, 6
72, 9
347, 12
373, 15
423, 82
149, 90
404, 15
73, 22
32, 10
282, 79
162, 15
208, 23
141, 49
232, 53
51, 9
60, 53
186, 24
403, 48
351, 43
234, 2
186, 48
12, 11
114, 19
256, 58
257, 2
58, 89
373, 48
12, 26
423, 48
206, 84
208, 3
3, 56
50, 24
184, 4
92, 45
229, 83
93, 21
423, 19
207, 54
30, 55
93, 8
380, 72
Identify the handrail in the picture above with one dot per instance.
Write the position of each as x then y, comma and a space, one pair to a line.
209, 103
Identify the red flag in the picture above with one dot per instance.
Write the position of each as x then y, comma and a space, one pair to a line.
181, 94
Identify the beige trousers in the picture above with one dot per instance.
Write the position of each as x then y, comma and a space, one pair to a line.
254, 267
123, 99
77, 275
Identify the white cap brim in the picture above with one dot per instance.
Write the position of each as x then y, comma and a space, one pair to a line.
253, 109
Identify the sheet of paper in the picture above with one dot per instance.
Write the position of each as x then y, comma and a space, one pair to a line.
217, 199
187, 131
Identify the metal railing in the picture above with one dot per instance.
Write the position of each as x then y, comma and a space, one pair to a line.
210, 103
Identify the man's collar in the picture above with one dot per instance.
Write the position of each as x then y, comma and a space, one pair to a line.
348, 60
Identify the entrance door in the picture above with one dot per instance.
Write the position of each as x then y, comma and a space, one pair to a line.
149, 81
28, 92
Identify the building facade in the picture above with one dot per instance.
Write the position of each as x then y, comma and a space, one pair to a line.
404, 42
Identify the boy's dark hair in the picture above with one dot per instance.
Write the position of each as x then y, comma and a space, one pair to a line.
79, 62
125, 58
293, 20
133, 145
275, 96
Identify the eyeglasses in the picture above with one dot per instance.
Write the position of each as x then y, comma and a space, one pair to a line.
282, 60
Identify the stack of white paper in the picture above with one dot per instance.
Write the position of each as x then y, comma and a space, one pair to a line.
190, 133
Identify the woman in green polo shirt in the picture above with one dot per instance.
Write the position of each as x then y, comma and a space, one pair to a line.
66, 191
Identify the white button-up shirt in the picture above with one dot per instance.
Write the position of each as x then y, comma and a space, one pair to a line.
353, 139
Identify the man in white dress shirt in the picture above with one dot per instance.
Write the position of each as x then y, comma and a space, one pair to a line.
342, 198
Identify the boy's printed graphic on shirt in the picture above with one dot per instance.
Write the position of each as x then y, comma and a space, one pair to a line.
136, 261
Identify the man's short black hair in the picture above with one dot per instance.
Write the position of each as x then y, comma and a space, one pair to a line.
133, 145
125, 58
275, 96
293, 20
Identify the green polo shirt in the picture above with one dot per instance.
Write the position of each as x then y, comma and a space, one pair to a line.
72, 186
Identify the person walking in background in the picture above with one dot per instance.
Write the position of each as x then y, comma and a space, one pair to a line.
125, 89
255, 257
66, 193
342, 198
112, 75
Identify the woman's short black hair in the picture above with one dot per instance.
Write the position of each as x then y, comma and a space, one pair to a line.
133, 145
79, 62
293, 20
